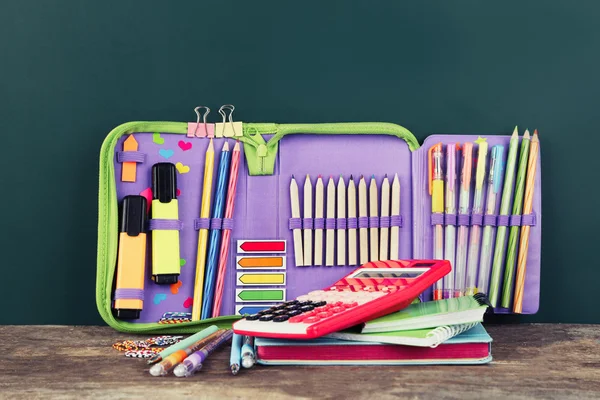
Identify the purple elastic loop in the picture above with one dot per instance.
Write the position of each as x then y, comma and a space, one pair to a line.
477, 219
449, 219
216, 223
137, 294
503, 220
295, 223
489, 220
165, 225
341, 223
529, 220
384, 222
228, 223
307, 223
515, 220
437, 219
363, 222
396, 220
330, 223
352, 223
201, 223
373, 222
319, 223
131, 156
463, 220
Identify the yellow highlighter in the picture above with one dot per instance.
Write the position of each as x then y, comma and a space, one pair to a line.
436, 190
131, 258
165, 242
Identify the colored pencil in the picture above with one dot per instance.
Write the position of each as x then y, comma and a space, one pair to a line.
295, 203
507, 191
395, 211
352, 250
209, 163
526, 229
450, 238
385, 212
226, 233
464, 208
475, 238
330, 232
373, 214
319, 215
214, 243
308, 252
362, 214
513, 236
341, 213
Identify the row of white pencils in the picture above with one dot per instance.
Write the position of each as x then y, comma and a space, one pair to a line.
373, 242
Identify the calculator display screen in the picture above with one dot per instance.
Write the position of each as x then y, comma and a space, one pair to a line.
400, 273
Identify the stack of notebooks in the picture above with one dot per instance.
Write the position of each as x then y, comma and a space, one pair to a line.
448, 331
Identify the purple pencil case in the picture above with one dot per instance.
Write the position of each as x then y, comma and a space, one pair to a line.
271, 154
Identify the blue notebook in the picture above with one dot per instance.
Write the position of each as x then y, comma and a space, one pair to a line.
470, 347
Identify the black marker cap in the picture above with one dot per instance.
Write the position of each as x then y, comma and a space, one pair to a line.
127, 313
133, 215
164, 182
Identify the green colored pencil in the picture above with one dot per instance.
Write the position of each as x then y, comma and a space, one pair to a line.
507, 191
513, 236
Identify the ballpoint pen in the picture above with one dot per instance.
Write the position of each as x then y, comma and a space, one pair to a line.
450, 237
248, 356
436, 190
464, 206
193, 362
490, 207
235, 357
475, 238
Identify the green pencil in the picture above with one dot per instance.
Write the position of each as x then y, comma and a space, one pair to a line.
513, 236
507, 191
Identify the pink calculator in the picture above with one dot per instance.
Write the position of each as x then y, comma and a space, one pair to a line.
371, 291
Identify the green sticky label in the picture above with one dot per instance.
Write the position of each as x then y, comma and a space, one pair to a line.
260, 294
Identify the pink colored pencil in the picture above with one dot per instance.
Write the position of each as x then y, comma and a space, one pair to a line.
229, 205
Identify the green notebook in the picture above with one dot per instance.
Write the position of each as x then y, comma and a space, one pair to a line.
430, 337
432, 314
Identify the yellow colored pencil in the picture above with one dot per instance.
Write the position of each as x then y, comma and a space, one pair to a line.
209, 164
525, 229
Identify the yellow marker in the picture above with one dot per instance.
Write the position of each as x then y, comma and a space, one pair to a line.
203, 233
267, 278
165, 242
261, 262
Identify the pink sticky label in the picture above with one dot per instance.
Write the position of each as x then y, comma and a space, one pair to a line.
200, 130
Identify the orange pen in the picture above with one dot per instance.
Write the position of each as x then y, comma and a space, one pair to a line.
131, 259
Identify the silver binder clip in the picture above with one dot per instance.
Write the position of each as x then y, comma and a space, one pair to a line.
228, 128
199, 129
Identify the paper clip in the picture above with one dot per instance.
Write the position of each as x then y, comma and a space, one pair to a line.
201, 129
228, 128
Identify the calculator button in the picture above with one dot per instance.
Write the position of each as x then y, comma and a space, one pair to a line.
319, 303
297, 318
304, 303
252, 317
293, 313
267, 317
325, 314
350, 305
312, 319
306, 308
291, 302
337, 309
281, 318
280, 312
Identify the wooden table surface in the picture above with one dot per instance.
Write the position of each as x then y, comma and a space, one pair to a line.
546, 361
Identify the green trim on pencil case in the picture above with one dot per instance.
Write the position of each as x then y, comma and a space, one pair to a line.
513, 237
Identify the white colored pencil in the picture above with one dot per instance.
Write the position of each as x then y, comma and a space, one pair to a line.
351, 214
385, 212
308, 214
329, 256
373, 212
395, 230
341, 213
296, 214
319, 214
362, 213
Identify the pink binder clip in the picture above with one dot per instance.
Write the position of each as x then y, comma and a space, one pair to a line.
201, 129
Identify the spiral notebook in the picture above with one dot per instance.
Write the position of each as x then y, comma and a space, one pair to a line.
431, 337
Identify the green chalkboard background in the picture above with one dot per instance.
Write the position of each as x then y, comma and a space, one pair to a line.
70, 71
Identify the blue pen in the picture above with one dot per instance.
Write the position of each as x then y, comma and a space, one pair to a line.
235, 357
248, 357
485, 260
214, 241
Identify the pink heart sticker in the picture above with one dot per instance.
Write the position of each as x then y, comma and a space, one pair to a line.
188, 302
178, 192
185, 146
147, 193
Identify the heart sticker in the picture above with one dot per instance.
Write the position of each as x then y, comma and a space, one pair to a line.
188, 302
183, 169
182, 262
158, 297
156, 138
166, 153
178, 192
147, 193
185, 146
175, 287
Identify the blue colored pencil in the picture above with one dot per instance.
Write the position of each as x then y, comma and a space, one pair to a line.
214, 242
236, 353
